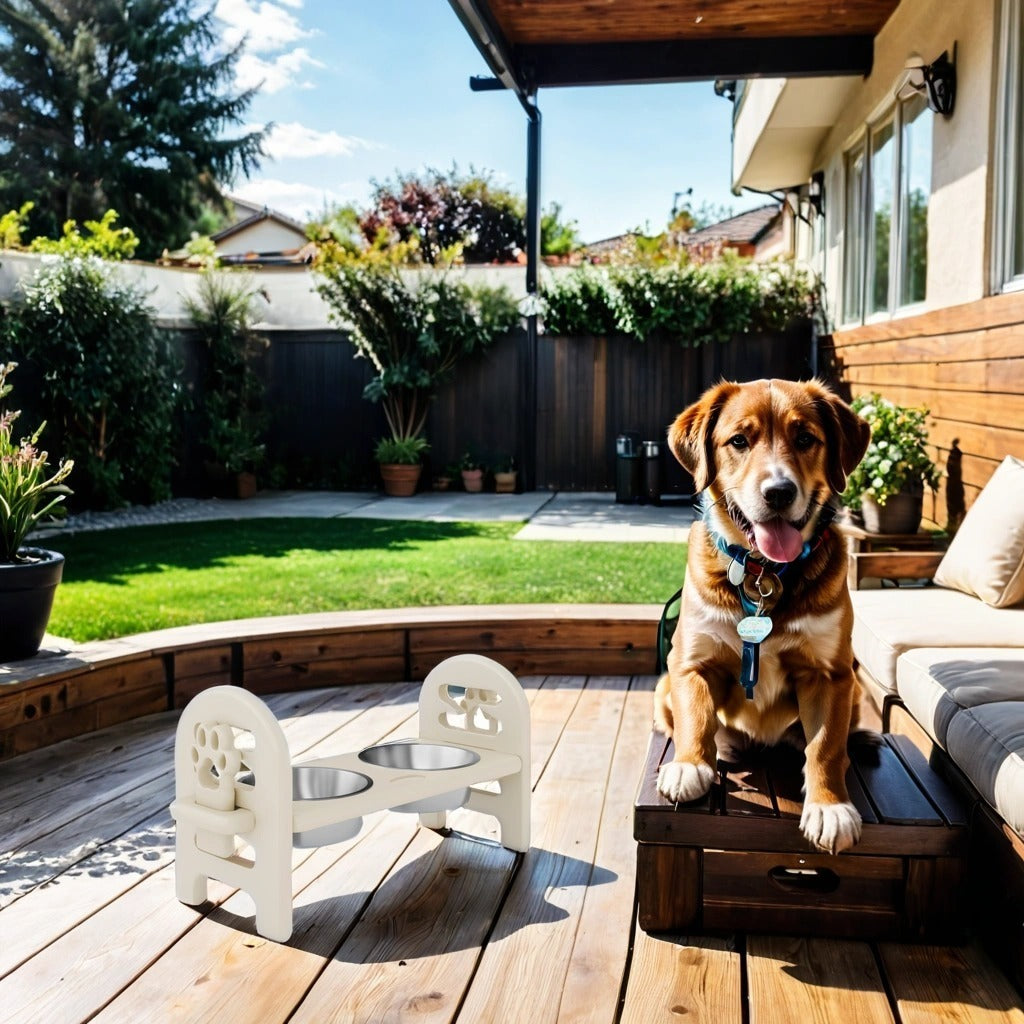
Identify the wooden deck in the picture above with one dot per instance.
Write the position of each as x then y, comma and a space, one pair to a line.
402, 923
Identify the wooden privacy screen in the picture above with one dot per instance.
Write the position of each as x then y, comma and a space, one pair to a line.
965, 364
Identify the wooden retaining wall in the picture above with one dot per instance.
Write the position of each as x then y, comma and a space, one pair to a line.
966, 365
61, 694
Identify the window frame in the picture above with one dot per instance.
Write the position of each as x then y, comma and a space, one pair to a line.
1008, 211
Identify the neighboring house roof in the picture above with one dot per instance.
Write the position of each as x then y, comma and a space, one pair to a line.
257, 216
749, 227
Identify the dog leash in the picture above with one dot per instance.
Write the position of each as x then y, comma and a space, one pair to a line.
758, 583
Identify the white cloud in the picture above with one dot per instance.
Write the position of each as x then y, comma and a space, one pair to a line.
295, 141
266, 26
300, 200
275, 74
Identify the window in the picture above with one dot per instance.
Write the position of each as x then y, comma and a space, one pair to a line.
888, 186
1008, 247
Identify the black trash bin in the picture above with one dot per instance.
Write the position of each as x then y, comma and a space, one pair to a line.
652, 472
628, 468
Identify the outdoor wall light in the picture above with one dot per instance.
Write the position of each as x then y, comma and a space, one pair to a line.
935, 81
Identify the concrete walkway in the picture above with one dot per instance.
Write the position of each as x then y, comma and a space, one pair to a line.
547, 515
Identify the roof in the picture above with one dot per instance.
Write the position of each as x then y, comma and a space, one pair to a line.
261, 214
750, 226
531, 44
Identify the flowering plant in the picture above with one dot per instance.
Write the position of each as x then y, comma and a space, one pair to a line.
24, 485
896, 456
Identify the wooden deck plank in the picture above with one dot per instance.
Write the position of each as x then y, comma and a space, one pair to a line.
948, 985
697, 979
224, 971
415, 948
600, 953
814, 980
524, 965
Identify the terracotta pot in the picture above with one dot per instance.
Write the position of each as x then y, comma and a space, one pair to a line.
901, 512
473, 480
400, 479
245, 485
505, 483
26, 598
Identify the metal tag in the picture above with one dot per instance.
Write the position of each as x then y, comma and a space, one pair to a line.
754, 628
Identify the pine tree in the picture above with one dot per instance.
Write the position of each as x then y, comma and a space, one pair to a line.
118, 104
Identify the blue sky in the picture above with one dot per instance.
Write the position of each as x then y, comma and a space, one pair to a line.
362, 89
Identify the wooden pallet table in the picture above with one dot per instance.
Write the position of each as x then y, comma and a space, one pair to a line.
737, 859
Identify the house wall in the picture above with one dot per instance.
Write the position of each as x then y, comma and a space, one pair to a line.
263, 236
958, 223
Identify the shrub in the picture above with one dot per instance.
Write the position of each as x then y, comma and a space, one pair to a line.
102, 376
693, 303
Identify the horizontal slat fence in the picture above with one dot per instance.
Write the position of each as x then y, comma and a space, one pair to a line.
965, 364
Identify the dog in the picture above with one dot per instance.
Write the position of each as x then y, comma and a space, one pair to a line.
771, 458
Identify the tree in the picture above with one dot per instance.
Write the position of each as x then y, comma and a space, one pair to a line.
119, 104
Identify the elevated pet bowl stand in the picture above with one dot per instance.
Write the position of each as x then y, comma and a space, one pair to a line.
235, 783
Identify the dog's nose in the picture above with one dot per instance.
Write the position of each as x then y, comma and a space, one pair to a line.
780, 495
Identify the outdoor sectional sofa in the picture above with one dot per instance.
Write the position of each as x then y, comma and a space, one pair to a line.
944, 662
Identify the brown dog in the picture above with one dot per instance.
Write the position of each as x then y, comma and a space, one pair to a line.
770, 457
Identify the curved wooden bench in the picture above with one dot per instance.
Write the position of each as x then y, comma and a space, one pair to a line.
67, 690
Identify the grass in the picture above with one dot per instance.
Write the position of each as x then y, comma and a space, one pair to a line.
118, 582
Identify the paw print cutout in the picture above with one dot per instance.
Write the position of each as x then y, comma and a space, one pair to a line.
216, 762
476, 705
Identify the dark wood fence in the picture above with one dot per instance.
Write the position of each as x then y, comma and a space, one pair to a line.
965, 364
557, 411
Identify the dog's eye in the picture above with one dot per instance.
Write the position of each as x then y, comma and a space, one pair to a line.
805, 441
739, 441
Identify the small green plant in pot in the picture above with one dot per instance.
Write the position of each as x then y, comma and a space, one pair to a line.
28, 494
888, 485
400, 465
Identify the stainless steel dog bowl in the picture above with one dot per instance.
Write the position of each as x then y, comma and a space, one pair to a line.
316, 782
418, 756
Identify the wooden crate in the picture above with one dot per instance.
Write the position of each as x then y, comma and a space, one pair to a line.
737, 860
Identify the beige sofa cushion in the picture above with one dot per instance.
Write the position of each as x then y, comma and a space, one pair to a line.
936, 683
888, 622
986, 557
987, 744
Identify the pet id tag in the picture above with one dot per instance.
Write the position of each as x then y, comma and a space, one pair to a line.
752, 629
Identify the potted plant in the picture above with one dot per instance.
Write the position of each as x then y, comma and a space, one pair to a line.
888, 485
472, 473
443, 480
28, 575
400, 465
505, 475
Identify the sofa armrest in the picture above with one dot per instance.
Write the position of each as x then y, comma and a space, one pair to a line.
892, 565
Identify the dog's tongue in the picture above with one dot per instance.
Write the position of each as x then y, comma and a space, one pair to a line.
778, 540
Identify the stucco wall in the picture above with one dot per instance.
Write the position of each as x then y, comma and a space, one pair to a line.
958, 223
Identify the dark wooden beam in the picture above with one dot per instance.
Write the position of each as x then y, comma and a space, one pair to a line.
692, 60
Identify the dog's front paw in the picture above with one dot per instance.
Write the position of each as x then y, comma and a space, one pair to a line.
831, 827
681, 781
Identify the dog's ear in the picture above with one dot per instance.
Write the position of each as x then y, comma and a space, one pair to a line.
690, 436
846, 438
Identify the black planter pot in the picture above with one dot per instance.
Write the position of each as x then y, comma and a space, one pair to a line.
900, 514
26, 597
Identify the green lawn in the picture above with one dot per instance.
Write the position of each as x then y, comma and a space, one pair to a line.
118, 582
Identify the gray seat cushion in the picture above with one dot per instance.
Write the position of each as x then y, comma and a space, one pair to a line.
890, 622
936, 684
987, 743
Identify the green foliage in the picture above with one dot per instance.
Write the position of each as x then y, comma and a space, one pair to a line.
101, 239
12, 226
405, 451
693, 303
414, 329
119, 103
27, 494
897, 454
557, 237
232, 414
101, 375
